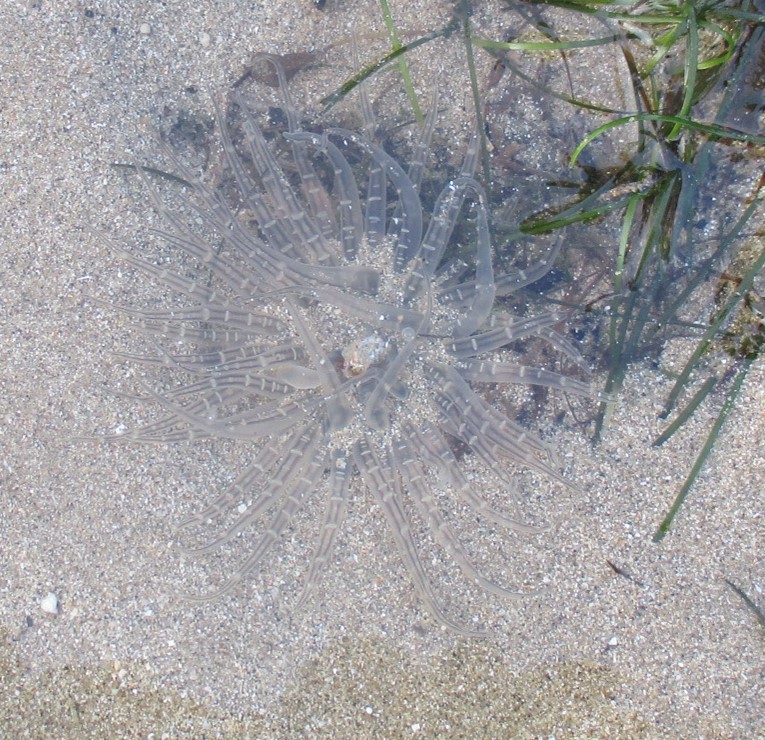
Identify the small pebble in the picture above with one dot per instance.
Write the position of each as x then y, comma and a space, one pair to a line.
49, 603
144, 29
204, 39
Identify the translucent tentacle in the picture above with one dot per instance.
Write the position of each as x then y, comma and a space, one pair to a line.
483, 298
302, 486
383, 483
511, 372
509, 331
435, 452
349, 202
334, 515
412, 471
409, 226
488, 433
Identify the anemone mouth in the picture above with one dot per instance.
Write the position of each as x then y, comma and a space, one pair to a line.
332, 332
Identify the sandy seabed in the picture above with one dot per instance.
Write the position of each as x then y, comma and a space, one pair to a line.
670, 652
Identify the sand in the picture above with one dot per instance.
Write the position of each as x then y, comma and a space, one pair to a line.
669, 651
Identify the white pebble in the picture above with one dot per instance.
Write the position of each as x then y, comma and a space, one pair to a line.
144, 29
204, 39
49, 603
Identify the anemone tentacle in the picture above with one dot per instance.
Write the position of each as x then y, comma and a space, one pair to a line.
326, 329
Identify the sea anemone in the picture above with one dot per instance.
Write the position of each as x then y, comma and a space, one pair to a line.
343, 338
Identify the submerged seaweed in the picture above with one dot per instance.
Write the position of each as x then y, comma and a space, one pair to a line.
336, 333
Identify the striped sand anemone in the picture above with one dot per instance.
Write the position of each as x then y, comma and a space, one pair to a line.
331, 329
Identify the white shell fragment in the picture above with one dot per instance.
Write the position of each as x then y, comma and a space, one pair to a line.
49, 603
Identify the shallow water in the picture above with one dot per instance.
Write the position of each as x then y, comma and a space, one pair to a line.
674, 650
